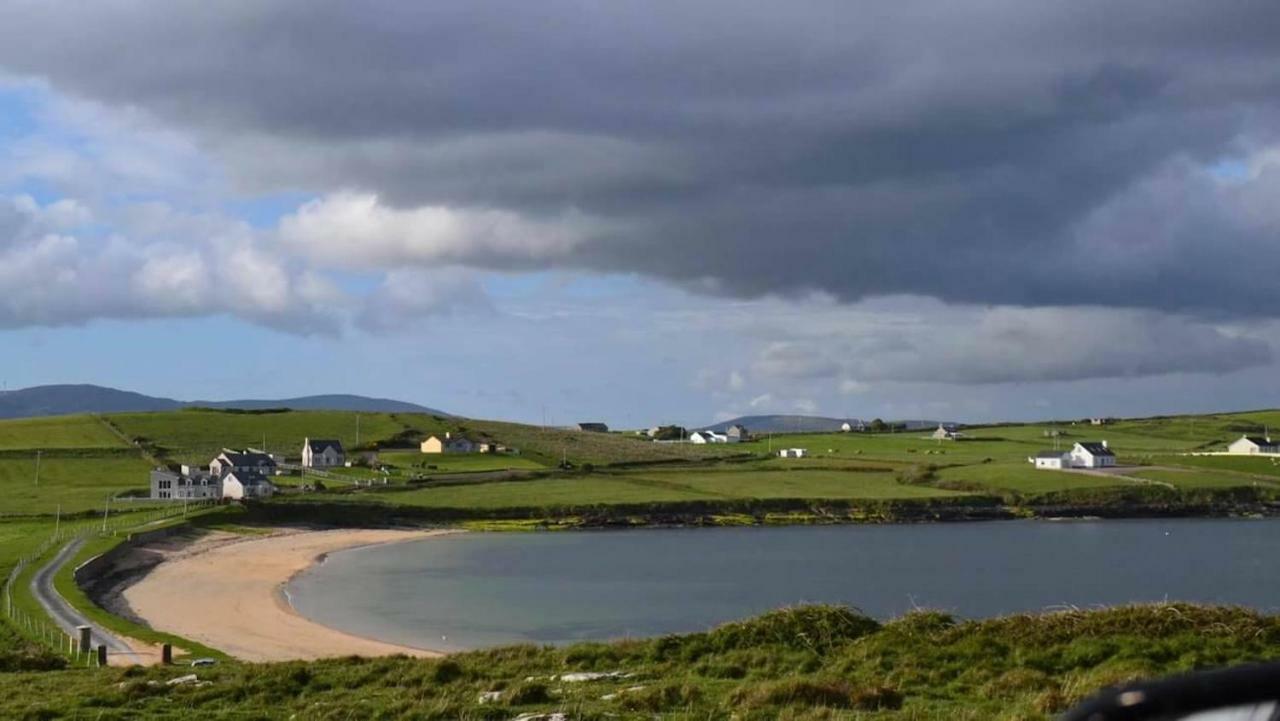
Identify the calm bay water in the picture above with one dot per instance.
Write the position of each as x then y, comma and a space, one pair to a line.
481, 589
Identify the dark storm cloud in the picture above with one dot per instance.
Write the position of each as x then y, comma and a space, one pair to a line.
990, 152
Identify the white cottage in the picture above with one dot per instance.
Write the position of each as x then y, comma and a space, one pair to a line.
705, 437
239, 485
1092, 454
322, 453
1253, 445
793, 453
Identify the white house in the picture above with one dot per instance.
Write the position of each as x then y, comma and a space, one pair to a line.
737, 433
1092, 454
1055, 460
705, 437
322, 454
1251, 445
944, 434
238, 485
793, 453
189, 484
248, 461
853, 427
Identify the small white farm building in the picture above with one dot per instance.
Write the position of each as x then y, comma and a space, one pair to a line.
1055, 460
1253, 445
705, 437
793, 453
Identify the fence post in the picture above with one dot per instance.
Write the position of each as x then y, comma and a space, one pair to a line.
166, 654
102, 655
85, 639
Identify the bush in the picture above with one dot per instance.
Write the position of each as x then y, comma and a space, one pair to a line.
920, 474
527, 693
821, 693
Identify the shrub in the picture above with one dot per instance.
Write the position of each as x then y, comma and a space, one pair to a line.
827, 693
527, 693
817, 628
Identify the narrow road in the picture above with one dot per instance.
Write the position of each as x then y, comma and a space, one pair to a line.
66, 616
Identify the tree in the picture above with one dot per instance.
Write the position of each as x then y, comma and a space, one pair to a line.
878, 426
670, 433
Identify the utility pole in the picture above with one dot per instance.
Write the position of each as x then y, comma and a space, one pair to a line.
38, 467
57, 521
106, 511
357, 430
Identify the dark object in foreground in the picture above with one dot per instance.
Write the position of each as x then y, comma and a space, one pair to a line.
1244, 693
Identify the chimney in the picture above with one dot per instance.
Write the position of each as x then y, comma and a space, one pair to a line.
448, 435
1104, 444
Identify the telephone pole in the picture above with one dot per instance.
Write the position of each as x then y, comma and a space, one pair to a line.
38, 467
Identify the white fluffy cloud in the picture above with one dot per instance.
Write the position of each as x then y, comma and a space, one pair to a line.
356, 229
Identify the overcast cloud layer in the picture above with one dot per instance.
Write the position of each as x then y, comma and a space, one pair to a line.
908, 192
983, 152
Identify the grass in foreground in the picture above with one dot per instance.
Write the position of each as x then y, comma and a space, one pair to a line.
802, 663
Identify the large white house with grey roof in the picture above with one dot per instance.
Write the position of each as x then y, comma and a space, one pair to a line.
1092, 454
247, 461
318, 453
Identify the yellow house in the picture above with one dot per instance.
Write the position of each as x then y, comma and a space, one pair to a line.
449, 444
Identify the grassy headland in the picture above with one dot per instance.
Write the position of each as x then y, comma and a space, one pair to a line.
802, 663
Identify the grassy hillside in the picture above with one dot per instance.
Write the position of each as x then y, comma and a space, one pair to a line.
807, 663
58, 433
196, 435
550, 445
77, 483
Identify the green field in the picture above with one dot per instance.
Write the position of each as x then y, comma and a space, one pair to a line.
791, 484
77, 483
1246, 465
414, 463
551, 445
1198, 478
58, 432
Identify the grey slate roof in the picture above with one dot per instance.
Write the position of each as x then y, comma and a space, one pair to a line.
1096, 448
1259, 441
246, 458
317, 445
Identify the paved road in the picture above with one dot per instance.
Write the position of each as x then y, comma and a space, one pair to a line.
63, 613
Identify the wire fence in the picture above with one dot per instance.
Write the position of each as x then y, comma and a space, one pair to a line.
38, 626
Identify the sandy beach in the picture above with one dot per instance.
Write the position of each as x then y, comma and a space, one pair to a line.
225, 592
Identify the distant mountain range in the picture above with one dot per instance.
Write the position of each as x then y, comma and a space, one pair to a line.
55, 400
801, 424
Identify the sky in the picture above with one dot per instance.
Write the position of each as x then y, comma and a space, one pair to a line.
647, 213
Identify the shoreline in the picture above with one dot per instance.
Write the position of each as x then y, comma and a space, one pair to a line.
229, 594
